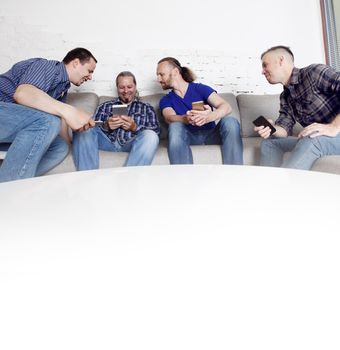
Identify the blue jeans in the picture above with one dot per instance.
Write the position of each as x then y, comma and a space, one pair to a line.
304, 151
226, 133
86, 145
35, 145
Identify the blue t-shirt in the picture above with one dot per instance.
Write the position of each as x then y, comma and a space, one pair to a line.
48, 76
195, 92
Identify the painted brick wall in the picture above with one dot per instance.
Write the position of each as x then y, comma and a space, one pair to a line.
228, 61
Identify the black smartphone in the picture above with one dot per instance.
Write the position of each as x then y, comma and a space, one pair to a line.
262, 121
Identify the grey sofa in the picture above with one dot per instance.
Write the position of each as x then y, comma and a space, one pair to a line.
245, 107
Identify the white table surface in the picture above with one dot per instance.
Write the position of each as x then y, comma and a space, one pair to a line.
171, 257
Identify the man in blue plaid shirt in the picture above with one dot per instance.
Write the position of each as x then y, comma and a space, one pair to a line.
311, 97
136, 133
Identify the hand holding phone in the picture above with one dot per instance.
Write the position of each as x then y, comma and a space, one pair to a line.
262, 121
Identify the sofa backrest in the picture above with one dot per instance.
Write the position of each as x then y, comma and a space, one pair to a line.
87, 101
245, 107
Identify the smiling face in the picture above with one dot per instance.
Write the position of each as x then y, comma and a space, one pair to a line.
271, 67
80, 72
165, 75
126, 89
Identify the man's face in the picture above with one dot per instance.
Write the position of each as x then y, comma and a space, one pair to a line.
164, 75
271, 67
82, 72
126, 89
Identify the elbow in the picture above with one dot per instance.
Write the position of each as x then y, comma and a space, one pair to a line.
19, 94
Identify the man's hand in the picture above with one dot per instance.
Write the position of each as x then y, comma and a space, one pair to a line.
317, 129
87, 126
199, 118
114, 122
264, 131
128, 123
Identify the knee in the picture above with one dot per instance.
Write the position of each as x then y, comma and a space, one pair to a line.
176, 132
150, 138
266, 145
83, 136
230, 125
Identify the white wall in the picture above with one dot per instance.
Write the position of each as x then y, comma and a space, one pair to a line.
221, 41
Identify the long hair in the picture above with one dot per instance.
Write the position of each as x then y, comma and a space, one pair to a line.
186, 73
126, 74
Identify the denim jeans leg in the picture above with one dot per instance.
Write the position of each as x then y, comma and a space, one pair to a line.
85, 149
273, 150
143, 148
232, 145
55, 154
31, 132
308, 150
179, 150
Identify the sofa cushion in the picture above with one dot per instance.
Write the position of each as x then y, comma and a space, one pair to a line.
231, 99
252, 106
86, 101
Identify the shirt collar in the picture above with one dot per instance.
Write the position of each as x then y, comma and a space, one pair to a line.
63, 74
294, 78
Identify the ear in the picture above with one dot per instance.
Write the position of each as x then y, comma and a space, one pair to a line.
281, 59
75, 62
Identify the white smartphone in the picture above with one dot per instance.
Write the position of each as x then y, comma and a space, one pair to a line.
119, 110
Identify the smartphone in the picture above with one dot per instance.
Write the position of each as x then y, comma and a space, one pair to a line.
262, 121
119, 110
98, 122
198, 105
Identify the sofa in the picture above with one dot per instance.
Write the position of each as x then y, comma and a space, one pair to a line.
246, 108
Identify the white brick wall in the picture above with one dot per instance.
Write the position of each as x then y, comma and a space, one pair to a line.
221, 44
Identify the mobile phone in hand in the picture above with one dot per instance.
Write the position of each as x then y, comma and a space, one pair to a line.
262, 121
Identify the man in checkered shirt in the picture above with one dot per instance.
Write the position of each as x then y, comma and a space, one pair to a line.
310, 97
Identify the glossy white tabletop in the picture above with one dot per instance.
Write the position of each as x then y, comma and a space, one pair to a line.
171, 257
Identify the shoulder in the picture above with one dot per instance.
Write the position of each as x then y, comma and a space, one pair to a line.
167, 99
319, 73
315, 69
202, 88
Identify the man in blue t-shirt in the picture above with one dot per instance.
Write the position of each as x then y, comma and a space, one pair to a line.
34, 117
196, 124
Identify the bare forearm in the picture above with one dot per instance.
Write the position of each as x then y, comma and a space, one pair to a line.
176, 118
30, 96
220, 112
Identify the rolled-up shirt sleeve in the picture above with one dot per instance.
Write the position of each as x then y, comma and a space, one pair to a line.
285, 119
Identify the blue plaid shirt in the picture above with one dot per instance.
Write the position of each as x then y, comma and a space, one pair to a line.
48, 76
142, 113
312, 96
